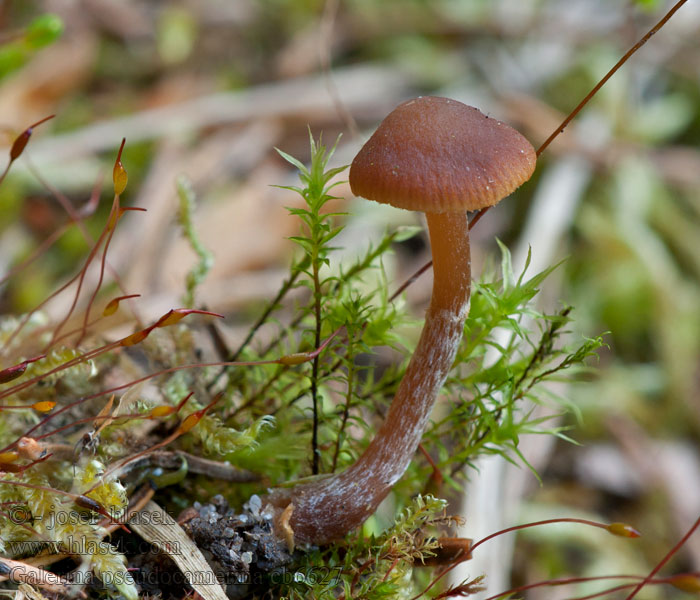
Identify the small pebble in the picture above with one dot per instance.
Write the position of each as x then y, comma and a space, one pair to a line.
255, 504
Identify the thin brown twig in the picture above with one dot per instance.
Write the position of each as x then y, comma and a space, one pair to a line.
271, 307
348, 401
475, 219
609, 74
566, 121
664, 560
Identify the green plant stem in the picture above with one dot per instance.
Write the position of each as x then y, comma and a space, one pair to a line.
284, 289
346, 412
314, 369
335, 290
256, 396
537, 357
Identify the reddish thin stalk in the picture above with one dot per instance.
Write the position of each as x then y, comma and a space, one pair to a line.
100, 280
509, 530
15, 468
391, 568
71, 332
38, 251
565, 122
78, 216
346, 414
283, 360
6, 171
104, 419
96, 320
410, 280
665, 559
113, 215
537, 524
436, 475
609, 74
88, 308
71, 363
121, 342
28, 316
15, 371
565, 581
473, 221
39, 122
75, 218
80, 276
562, 581
94, 419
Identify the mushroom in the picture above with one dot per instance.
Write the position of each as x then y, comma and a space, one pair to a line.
443, 158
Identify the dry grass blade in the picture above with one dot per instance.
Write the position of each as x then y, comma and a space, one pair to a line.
157, 527
359, 87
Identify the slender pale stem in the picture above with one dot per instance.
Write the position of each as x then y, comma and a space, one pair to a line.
330, 507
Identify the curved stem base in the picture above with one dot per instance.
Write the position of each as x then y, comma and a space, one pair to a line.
328, 508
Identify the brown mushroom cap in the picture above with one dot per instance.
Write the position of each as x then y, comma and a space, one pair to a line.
438, 155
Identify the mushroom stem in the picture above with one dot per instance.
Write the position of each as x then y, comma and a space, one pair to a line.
328, 508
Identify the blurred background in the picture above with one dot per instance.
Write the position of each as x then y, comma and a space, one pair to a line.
208, 88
